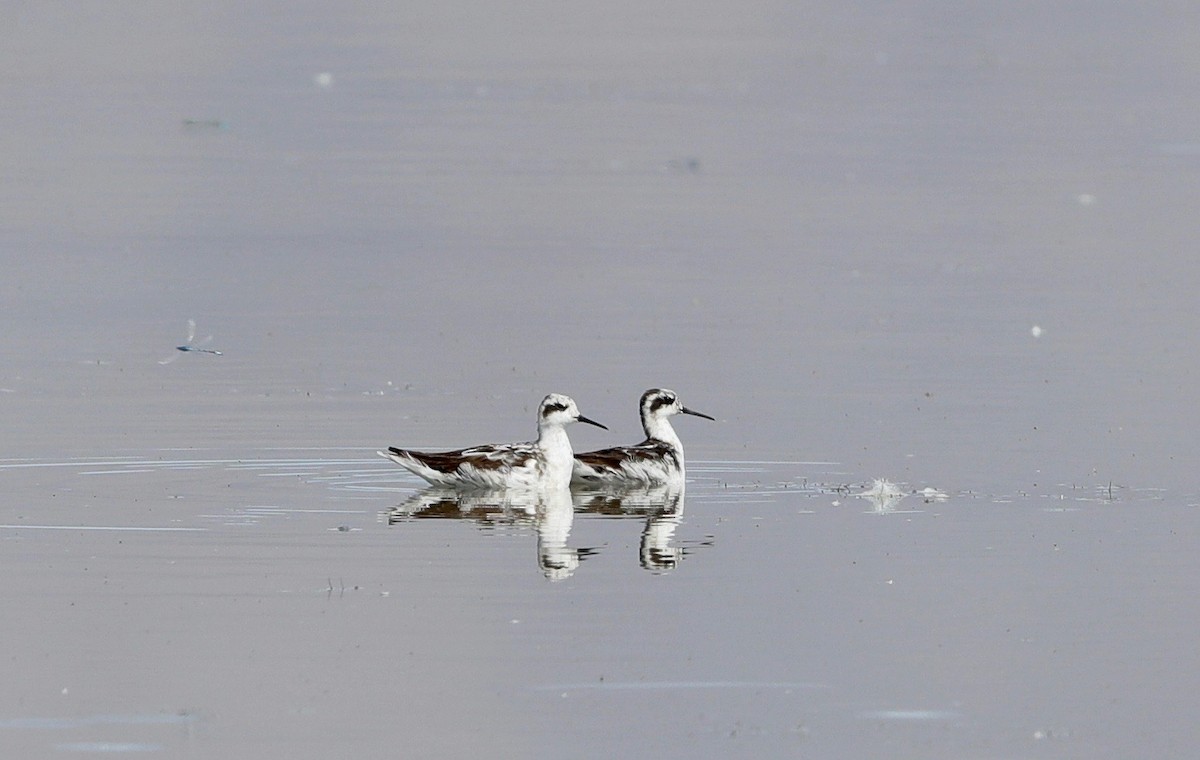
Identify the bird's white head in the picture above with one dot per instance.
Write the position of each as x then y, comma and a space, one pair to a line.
656, 406
557, 410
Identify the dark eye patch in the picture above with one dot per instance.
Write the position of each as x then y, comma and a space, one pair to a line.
660, 402
554, 408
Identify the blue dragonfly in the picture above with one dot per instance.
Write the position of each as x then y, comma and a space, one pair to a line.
191, 344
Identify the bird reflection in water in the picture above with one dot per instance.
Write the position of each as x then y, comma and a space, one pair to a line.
549, 511
551, 514
662, 506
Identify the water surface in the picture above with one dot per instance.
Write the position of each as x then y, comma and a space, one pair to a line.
929, 266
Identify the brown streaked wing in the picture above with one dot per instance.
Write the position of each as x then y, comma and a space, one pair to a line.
498, 457
612, 458
443, 461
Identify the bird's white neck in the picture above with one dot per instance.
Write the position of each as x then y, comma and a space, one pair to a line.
553, 441
659, 429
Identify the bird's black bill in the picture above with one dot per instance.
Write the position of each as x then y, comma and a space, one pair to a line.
698, 414
592, 422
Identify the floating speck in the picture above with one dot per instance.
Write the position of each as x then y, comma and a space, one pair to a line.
323, 79
684, 165
203, 124
1035, 331
931, 495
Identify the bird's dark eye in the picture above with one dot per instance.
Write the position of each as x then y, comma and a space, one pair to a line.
555, 408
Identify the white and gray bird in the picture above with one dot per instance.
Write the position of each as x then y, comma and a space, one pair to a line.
544, 463
656, 460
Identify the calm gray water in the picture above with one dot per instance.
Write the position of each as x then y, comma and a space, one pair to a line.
950, 248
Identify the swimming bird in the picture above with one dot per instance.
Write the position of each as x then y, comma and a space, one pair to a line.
658, 459
544, 463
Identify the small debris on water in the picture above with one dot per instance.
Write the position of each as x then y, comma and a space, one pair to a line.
198, 125
932, 495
